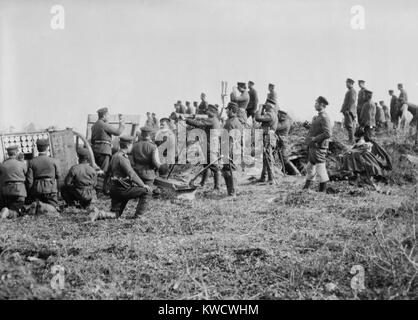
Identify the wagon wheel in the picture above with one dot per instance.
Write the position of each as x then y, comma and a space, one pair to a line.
87, 146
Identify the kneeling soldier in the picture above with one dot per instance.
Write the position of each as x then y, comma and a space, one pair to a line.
13, 174
80, 182
125, 183
318, 141
43, 175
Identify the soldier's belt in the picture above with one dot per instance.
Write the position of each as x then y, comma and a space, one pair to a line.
14, 182
102, 142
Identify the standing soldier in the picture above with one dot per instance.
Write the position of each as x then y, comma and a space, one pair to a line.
283, 127
361, 98
318, 141
232, 123
241, 97
189, 108
12, 177
203, 106
182, 108
43, 176
195, 107
394, 111
101, 138
348, 109
212, 122
403, 95
386, 113
125, 183
268, 118
272, 95
253, 103
380, 117
146, 157
368, 116
80, 182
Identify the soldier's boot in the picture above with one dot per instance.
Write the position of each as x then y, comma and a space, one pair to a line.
323, 187
204, 178
263, 174
307, 184
216, 176
142, 205
229, 182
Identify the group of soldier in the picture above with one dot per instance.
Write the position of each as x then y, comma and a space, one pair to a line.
360, 111
129, 172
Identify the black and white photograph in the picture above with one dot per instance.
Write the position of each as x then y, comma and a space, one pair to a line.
208, 156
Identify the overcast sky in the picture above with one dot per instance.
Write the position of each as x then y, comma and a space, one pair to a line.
139, 56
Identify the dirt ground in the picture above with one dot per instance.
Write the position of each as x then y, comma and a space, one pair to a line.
270, 242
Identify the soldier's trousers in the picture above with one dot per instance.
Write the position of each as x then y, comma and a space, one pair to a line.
120, 195
14, 203
349, 124
49, 198
227, 172
267, 162
215, 170
71, 195
102, 160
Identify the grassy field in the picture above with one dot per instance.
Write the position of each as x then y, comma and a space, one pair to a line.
270, 242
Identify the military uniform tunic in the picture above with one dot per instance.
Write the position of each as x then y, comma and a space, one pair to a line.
79, 184
12, 183
144, 160
125, 184
349, 111
42, 179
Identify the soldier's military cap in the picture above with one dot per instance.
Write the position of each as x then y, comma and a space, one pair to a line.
213, 108
361, 81
400, 84
164, 120
268, 106
42, 142
231, 105
322, 100
12, 148
270, 101
126, 139
178, 101
147, 129
271, 85
195, 103
251, 82
391, 91
83, 153
242, 85
349, 80
381, 101
102, 110
282, 112
368, 92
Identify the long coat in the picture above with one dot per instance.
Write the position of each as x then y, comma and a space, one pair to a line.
368, 115
349, 104
318, 137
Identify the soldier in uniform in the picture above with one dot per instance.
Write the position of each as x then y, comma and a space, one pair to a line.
241, 97
12, 177
361, 98
195, 107
367, 119
146, 157
253, 103
212, 122
348, 109
272, 94
80, 182
283, 127
203, 106
125, 183
189, 108
268, 118
403, 95
232, 123
394, 112
101, 138
43, 176
386, 113
318, 141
